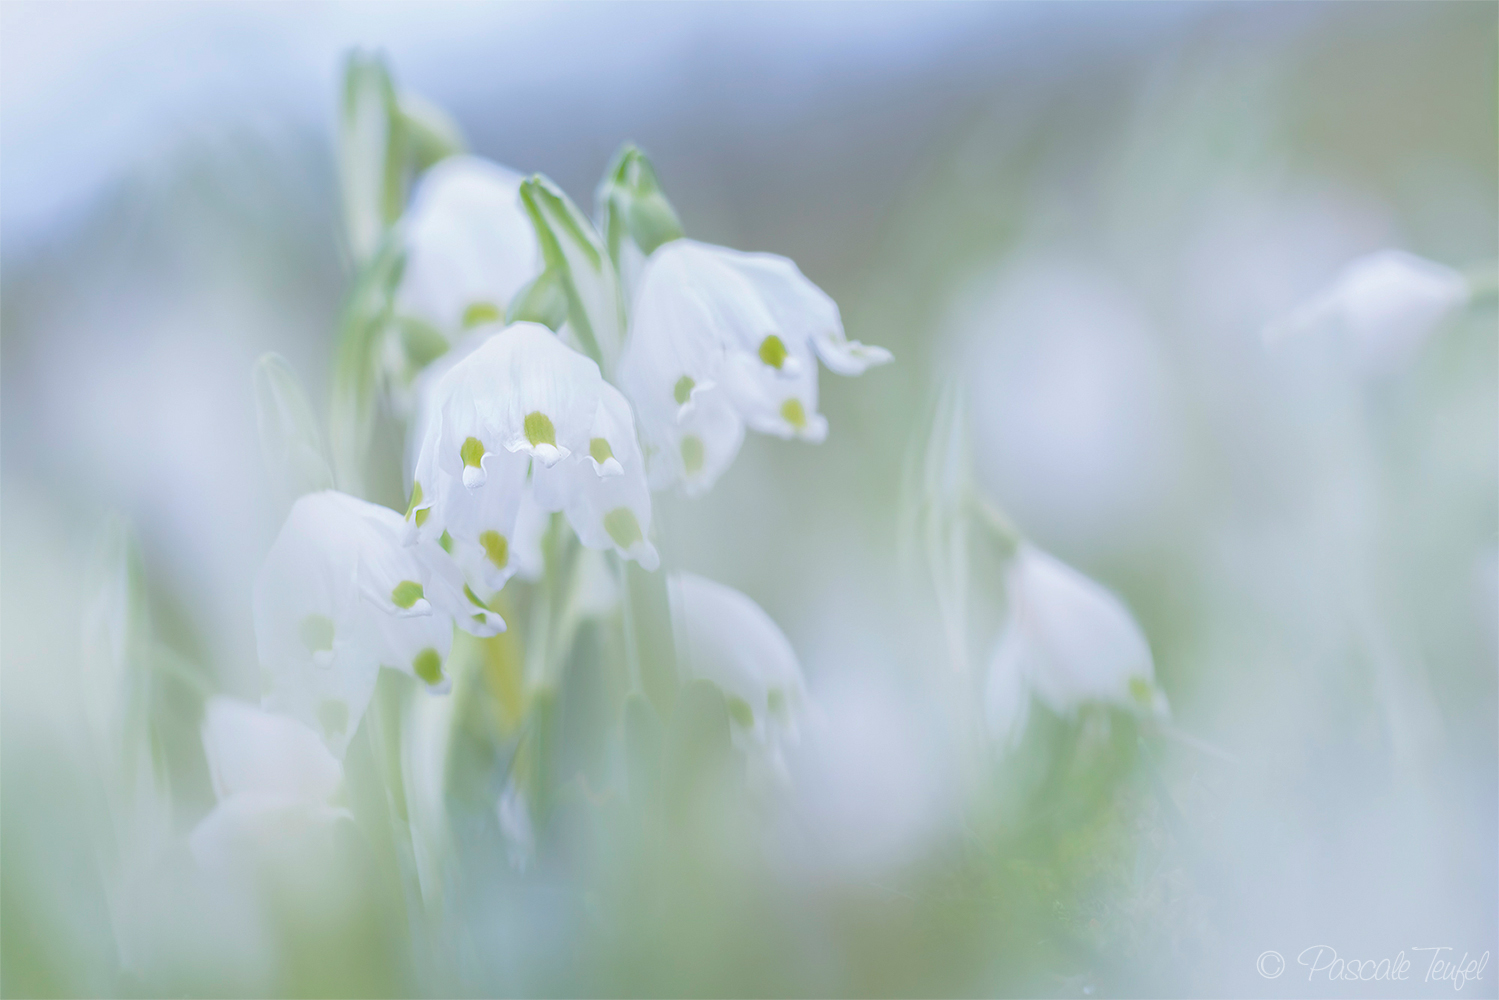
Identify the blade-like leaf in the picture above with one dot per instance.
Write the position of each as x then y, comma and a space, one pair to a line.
631, 206
431, 133
290, 441
365, 321
371, 153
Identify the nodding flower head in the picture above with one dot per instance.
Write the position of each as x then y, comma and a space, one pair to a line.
340, 596
721, 340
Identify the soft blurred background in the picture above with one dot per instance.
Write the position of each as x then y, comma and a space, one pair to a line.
1084, 212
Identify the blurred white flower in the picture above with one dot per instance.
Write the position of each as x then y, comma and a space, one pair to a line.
1067, 640
1385, 304
469, 245
725, 637
272, 776
722, 339
521, 395
340, 596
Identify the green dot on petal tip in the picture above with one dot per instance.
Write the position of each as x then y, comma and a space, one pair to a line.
496, 548
740, 711
406, 593
428, 665
539, 429
683, 389
472, 452
773, 351
1141, 691
622, 527
793, 413
316, 632
480, 312
416, 498
692, 454
599, 449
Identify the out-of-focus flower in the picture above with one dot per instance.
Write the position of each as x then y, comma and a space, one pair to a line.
272, 776
1385, 304
1068, 641
521, 395
722, 339
340, 596
469, 245
725, 637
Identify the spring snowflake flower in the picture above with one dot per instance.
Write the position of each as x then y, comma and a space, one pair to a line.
469, 245
340, 596
1385, 304
1067, 641
273, 779
725, 637
721, 340
524, 412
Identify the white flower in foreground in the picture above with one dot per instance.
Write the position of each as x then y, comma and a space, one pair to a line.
1384, 303
726, 638
272, 776
340, 596
720, 340
1067, 640
525, 412
469, 245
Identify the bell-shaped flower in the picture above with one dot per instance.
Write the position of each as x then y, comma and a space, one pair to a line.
273, 779
1384, 305
722, 339
340, 596
524, 419
725, 637
1068, 641
469, 245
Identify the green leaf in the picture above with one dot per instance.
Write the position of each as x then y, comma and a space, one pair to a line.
632, 207
290, 441
643, 746
572, 250
365, 321
431, 133
543, 300
371, 153
699, 754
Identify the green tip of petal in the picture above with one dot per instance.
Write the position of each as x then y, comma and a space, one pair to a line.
793, 413
406, 593
539, 429
472, 452
428, 665
317, 633
773, 351
692, 454
740, 712
683, 389
600, 450
1141, 691
496, 548
479, 313
420, 517
333, 716
446, 541
416, 498
622, 527
473, 597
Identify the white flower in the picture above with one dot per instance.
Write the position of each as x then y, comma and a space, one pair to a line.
1068, 641
1385, 304
524, 413
272, 776
726, 638
720, 340
340, 596
469, 245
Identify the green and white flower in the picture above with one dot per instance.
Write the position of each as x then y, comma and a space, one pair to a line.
340, 596
721, 340
469, 246
1068, 641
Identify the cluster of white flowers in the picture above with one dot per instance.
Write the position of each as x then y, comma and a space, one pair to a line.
532, 410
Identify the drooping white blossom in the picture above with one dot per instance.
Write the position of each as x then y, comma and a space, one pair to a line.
273, 778
1384, 304
1068, 641
526, 422
725, 637
469, 245
340, 596
721, 340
